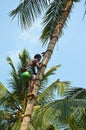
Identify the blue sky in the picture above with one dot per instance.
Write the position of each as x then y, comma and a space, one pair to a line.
70, 50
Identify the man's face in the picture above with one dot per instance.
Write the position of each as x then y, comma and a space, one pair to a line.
39, 58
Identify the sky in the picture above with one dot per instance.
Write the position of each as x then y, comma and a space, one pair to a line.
70, 50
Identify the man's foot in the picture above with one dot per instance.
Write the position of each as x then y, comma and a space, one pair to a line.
31, 95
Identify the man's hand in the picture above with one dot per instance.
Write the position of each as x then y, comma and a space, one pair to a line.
43, 53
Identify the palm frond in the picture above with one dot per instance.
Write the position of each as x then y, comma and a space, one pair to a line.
51, 18
7, 99
6, 120
16, 125
51, 71
76, 93
58, 112
76, 0
31, 127
14, 73
10, 62
3, 90
84, 11
4, 94
77, 119
9, 102
14, 82
24, 58
28, 11
62, 87
49, 94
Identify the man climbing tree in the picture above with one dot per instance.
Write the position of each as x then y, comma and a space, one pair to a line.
28, 76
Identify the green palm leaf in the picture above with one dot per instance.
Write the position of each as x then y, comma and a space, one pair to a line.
28, 10
6, 120
7, 99
31, 127
50, 93
16, 125
50, 71
24, 58
4, 94
57, 113
77, 119
52, 18
10, 62
3, 90
76, 93
14, 82
10, 102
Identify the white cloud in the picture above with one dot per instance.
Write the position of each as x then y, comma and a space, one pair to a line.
28, 38
32, 35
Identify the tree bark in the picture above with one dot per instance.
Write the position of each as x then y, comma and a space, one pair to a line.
50, 48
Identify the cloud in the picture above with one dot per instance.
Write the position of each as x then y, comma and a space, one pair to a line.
32, 35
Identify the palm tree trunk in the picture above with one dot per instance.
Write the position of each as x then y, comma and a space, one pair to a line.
50, 48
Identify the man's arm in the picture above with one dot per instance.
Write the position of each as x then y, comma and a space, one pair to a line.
38, 65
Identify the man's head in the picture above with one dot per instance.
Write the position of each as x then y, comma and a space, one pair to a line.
38, 56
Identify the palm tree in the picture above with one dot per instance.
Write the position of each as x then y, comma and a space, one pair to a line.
10, 100
54, 21
12, 108
48, 113
54, 37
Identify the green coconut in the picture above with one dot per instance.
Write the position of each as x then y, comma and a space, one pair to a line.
26, 75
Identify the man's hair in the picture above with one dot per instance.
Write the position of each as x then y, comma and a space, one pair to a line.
37, 56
